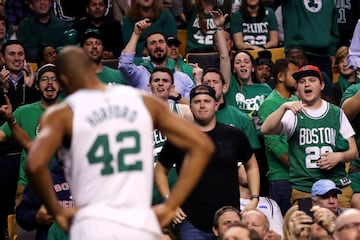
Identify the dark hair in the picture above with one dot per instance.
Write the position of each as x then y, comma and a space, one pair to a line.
247, 17
162, 69
221, 212
8, 43
281, 65
40, 53
213, 70
152, 33
294, 49
5, 19
264, 58
249, 54
88, 2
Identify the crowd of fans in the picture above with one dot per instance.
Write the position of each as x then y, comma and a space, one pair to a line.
299, 115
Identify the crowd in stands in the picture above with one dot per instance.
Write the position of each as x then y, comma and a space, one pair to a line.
286, 128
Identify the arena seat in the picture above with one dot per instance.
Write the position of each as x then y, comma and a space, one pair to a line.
205, 60
275, 52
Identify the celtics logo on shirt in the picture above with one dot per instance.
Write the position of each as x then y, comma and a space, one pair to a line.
249, 104
313, 5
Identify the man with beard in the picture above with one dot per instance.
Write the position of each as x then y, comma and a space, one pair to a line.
109, 29
276, 146
138, 76
27, 116
196, 215
92, 43
41, 28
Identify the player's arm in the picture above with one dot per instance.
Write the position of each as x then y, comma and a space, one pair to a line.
161, 179
187, 136
187, 114
272, 124
55, 126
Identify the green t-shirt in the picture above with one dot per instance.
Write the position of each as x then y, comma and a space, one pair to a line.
56, 233
344, 82
165, 24
275, 145
27, 116
312, 137
232, 116
196, 40
32, 34
247, 98
254, 32
350, 92
311, 25
110, 76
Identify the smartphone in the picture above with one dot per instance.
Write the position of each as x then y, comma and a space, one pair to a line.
305, 204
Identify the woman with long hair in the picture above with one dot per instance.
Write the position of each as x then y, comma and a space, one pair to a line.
200, 25
161, 21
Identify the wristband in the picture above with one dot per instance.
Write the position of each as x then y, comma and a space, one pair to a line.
175, 98
12, 122
254, 196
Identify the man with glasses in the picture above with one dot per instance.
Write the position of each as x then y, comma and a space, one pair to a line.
27, 116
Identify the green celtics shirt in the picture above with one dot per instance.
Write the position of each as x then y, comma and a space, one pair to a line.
325, 130
275, 145
195, 38
311, 25
158, 142
232, 116
254, 32
247, 98
110, 76
27, 116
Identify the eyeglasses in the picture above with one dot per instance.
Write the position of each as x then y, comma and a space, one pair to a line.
47, 79
349, 226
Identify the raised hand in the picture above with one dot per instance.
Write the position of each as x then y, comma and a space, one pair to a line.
29, 75
219, 17
141, 26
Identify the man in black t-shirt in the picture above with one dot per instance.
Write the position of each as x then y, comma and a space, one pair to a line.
219, 185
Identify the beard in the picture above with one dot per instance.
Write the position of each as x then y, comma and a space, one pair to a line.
158, 59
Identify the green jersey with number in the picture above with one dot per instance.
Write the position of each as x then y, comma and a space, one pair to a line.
195, 38
311, 138
109, 163
255, 32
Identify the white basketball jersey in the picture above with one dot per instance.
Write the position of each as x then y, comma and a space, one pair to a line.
109, 164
